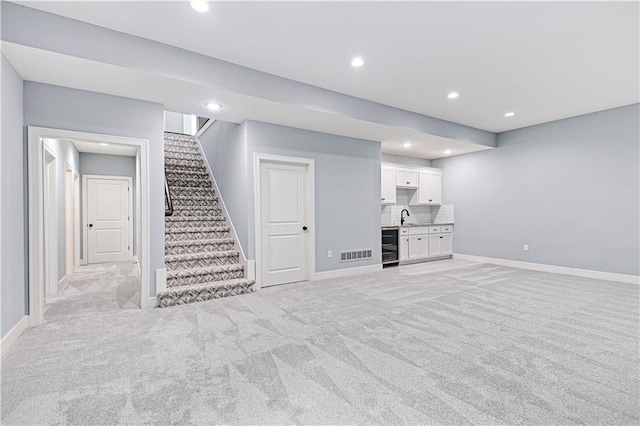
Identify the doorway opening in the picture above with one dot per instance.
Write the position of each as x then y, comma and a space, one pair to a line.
56, 225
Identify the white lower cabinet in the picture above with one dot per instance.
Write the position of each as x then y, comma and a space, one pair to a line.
404, 245
418, 247
425, 242
440, 244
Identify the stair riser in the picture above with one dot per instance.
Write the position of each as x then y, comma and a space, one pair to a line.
199, 248
184, 279
202, 295
197, 211
180, 143
189, 181
187, 175
190, 191
184, 168
194, 202
182, 154
193, 224
191, 162
193, 235
209, 261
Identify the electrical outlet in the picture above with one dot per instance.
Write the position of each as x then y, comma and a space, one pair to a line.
329, 253
525, 247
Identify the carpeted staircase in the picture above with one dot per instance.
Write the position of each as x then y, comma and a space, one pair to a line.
200, 256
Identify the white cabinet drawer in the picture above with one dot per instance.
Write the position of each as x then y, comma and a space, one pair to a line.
434, 229
404, 231
418, 230
446, 228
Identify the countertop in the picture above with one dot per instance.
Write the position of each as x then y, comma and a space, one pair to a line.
410, 225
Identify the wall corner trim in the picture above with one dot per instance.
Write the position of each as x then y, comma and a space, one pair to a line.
348, 272
13, 334
541, 267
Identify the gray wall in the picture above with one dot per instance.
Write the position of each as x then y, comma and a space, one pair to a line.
400, 159
569, 188
347, 184
71, 109
66, 153
110, 165
13, 287
225, 146
347, 189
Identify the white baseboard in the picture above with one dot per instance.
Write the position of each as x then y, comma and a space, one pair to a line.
161, 280
13, 334
251, 269
338, 273
585, 273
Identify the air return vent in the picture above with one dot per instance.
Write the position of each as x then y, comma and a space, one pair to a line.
350, 256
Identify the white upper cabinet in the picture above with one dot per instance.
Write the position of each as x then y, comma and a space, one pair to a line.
423, 184
406, 178
430, 187
388, 186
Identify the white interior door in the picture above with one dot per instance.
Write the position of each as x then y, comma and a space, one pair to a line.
108, 219
283, 223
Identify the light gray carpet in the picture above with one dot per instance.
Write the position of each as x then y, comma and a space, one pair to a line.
448, 342
94, 288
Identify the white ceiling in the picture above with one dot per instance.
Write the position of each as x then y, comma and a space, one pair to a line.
543, 60
93, 147
186, 97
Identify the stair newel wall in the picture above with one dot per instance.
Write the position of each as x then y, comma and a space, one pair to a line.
249, 265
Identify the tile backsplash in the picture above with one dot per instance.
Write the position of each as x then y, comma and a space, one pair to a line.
390, 214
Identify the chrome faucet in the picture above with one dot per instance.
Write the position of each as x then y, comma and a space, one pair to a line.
402, 216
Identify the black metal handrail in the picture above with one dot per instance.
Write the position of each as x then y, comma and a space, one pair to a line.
168, 204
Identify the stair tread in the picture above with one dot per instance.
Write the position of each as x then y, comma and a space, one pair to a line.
194, 218
203, 229
200, 255
199, 242
182, 288
192, 197
202, 270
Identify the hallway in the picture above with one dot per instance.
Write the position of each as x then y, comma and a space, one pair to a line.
96, 288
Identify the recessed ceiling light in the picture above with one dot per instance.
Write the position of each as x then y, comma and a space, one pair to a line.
214, 106
509, 114
104, 144
357, 62
447, 151
407, 144
453, 95
200, 6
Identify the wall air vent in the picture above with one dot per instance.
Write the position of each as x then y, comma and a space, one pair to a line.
350, 256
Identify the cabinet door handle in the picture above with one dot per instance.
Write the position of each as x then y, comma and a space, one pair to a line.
408, 183
430, 200
441, 237
419, 239
383, 199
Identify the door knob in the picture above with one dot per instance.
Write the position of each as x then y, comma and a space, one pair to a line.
304, 228
91, 225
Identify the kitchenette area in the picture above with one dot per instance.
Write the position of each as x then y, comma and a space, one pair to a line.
416, 225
